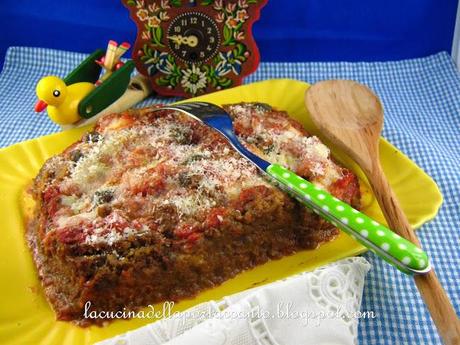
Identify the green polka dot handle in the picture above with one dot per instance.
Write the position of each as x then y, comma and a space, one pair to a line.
393, 248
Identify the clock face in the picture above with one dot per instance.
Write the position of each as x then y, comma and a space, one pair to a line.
193, 37
189, 47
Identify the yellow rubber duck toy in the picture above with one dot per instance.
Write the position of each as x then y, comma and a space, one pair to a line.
61, 100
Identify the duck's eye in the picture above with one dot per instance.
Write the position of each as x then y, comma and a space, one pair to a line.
56, 93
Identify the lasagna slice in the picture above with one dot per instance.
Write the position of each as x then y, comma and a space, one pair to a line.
154, 206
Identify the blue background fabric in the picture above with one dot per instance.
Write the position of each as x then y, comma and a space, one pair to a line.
422, 106
296, 30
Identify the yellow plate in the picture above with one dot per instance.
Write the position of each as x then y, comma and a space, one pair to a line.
26, 317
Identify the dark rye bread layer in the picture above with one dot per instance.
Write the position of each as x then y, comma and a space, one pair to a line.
155, 206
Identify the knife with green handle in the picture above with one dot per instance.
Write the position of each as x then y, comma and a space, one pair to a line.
394, 249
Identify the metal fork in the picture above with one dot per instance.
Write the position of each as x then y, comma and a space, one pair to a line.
394, 249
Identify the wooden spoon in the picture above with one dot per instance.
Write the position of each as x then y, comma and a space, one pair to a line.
350, 115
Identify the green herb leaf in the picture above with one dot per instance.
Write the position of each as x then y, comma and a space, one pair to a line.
175, 80
239, 49
227, 34
225, 82
162, 81
157, 36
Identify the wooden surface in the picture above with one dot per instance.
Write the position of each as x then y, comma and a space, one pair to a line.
351, 116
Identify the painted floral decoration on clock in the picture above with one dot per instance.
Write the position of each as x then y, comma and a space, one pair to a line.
188, 48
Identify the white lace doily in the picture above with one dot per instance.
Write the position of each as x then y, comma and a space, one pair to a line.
318, 307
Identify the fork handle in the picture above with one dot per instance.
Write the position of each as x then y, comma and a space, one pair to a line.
393, 248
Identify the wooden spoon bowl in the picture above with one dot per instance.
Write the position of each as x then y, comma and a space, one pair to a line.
350, 115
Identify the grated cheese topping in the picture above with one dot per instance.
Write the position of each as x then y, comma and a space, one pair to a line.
133, 171
287, 146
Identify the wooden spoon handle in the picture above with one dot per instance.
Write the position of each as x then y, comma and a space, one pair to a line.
436, 299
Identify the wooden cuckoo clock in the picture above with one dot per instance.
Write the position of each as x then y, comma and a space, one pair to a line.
187, 48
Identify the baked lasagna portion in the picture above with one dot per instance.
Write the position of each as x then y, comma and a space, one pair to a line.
153, 206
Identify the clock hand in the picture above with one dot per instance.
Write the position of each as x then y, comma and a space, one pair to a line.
177, 39
191, 40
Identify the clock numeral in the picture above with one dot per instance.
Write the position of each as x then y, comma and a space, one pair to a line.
183, 27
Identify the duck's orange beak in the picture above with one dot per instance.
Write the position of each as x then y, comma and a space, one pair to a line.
40, 106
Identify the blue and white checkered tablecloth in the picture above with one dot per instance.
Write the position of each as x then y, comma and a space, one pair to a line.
422, 104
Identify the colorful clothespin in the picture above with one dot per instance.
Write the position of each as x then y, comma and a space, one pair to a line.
110, 62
